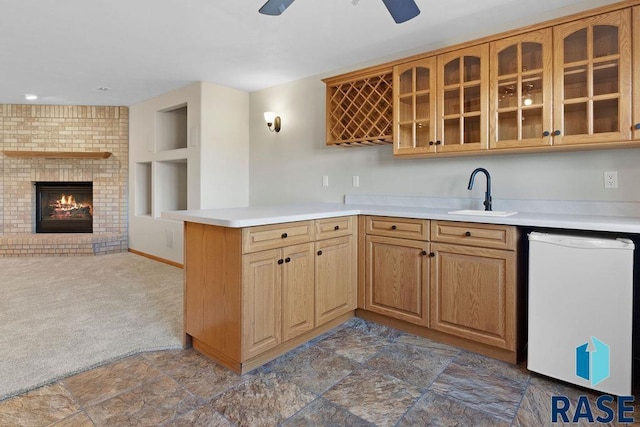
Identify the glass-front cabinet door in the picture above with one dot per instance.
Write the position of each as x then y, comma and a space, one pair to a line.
592, 84
414, 107
520, 90
463, 77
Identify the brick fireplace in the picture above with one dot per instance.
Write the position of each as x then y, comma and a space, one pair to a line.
63, 131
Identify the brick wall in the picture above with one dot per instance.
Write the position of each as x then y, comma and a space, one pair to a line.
63, 128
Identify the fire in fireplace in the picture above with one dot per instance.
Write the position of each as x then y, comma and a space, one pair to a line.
64, 207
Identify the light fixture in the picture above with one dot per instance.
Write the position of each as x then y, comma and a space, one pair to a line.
30, 96
273, 121
527, 99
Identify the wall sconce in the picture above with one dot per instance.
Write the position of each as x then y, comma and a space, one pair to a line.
272, 120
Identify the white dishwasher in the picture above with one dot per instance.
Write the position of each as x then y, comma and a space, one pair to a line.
581, 310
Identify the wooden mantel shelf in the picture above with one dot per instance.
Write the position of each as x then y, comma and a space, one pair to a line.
59, 154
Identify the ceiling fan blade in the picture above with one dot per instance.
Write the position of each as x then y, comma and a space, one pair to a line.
402, 10
275, 7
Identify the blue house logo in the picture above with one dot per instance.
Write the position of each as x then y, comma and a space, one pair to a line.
592, 364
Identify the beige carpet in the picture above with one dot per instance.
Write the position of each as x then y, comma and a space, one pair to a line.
63, 315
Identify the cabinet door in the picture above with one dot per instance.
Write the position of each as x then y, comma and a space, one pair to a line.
463, 99
397, 274
592, 85
636, 73
335, 278
473, 294
261, 302
520, 91
414, 107
297, 290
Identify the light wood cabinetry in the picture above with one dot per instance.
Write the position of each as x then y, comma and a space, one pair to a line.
441, 103
397, 278
414, 107
473, 288
450, 281
592, 84
336, 276
359, 109
463, 101
563, 85
521, 90
636, 71
254, 293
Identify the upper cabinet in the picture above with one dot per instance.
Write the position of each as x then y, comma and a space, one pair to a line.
636, 73
414, 107
567, 84
441, 103
521, 90
359, 109
592, 78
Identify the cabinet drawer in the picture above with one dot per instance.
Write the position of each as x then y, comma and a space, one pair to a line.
473, 234
334, 227
276, 236
407, 228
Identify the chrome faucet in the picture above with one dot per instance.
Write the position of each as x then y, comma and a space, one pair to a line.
487, 194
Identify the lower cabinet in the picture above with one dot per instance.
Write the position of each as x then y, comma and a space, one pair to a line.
278, 303
250, 295
397, 278
335, 278
457, 281
473, 294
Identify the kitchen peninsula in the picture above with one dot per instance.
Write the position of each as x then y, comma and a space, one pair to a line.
259, 281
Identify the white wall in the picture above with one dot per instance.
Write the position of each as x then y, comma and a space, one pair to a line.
287, 167
216, 159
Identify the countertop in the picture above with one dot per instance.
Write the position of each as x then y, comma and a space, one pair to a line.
262, 215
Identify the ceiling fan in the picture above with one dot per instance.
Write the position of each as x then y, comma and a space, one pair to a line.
400, 10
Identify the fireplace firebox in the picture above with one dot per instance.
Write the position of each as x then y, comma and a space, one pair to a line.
64, 207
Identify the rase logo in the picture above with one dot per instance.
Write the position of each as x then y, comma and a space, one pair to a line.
593, 364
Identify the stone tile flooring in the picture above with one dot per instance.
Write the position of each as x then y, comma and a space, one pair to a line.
360, 374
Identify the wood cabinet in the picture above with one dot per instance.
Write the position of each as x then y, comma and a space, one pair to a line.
414, 107
359, 108
592, 79
397, 268
473, 288
441, 103
521, 90
567, 84
636, 71
336, 277
253, 293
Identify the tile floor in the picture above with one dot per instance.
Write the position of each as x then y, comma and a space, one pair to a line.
360, 374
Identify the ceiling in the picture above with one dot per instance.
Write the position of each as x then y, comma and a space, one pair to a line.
65, 50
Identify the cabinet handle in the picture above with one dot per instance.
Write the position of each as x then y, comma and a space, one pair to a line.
393, 227
431, 254
285, 235
319, 253
287, 259
546, 133
636, 126
468, 234
280, 261
557, 132
423, 253
430, 142
337, 227
438, 142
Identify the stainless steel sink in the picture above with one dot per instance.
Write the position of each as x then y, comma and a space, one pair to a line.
482, 212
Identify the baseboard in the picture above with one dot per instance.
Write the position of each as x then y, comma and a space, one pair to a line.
156, 258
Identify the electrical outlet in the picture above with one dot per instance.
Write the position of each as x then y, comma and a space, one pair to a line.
356, 181
325, 180
611, 179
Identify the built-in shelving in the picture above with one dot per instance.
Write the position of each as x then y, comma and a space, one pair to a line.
171, 129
